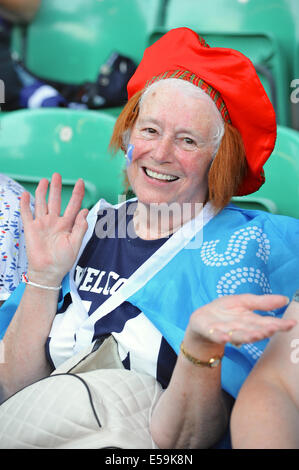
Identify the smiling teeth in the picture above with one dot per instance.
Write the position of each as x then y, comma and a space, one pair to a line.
160, 176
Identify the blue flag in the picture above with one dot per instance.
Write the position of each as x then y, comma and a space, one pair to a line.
239, 251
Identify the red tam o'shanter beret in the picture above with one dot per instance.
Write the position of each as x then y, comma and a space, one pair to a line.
229, 78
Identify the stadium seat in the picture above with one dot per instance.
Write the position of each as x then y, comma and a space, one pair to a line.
37, 143
264, 30
68, 41
280, 193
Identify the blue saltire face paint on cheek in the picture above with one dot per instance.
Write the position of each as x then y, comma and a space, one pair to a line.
129, 154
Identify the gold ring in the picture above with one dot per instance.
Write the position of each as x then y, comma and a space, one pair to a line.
230, 333
211, 331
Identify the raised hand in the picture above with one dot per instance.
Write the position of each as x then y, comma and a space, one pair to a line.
232, 319
53, 241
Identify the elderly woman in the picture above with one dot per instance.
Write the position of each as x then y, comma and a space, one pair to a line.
175, 274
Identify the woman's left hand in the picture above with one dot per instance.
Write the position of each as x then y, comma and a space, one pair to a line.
232, 319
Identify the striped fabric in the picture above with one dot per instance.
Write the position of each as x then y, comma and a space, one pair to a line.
199, 82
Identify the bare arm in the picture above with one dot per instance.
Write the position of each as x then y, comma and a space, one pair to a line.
52, 245
24, 341
266, 414
19, 11
194, 412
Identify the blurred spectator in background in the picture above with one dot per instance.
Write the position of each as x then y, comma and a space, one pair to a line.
12, 12
25, 90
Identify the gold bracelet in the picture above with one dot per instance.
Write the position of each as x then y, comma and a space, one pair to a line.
212, 362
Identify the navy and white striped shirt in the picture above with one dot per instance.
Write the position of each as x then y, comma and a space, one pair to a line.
104, 266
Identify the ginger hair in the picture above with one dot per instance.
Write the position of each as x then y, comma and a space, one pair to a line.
125, 122
228, 168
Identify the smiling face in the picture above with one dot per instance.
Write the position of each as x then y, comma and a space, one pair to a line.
173, 145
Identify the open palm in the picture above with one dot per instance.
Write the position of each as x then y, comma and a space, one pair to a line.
52, 240
233, 319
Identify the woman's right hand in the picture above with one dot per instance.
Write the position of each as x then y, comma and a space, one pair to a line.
53, 241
